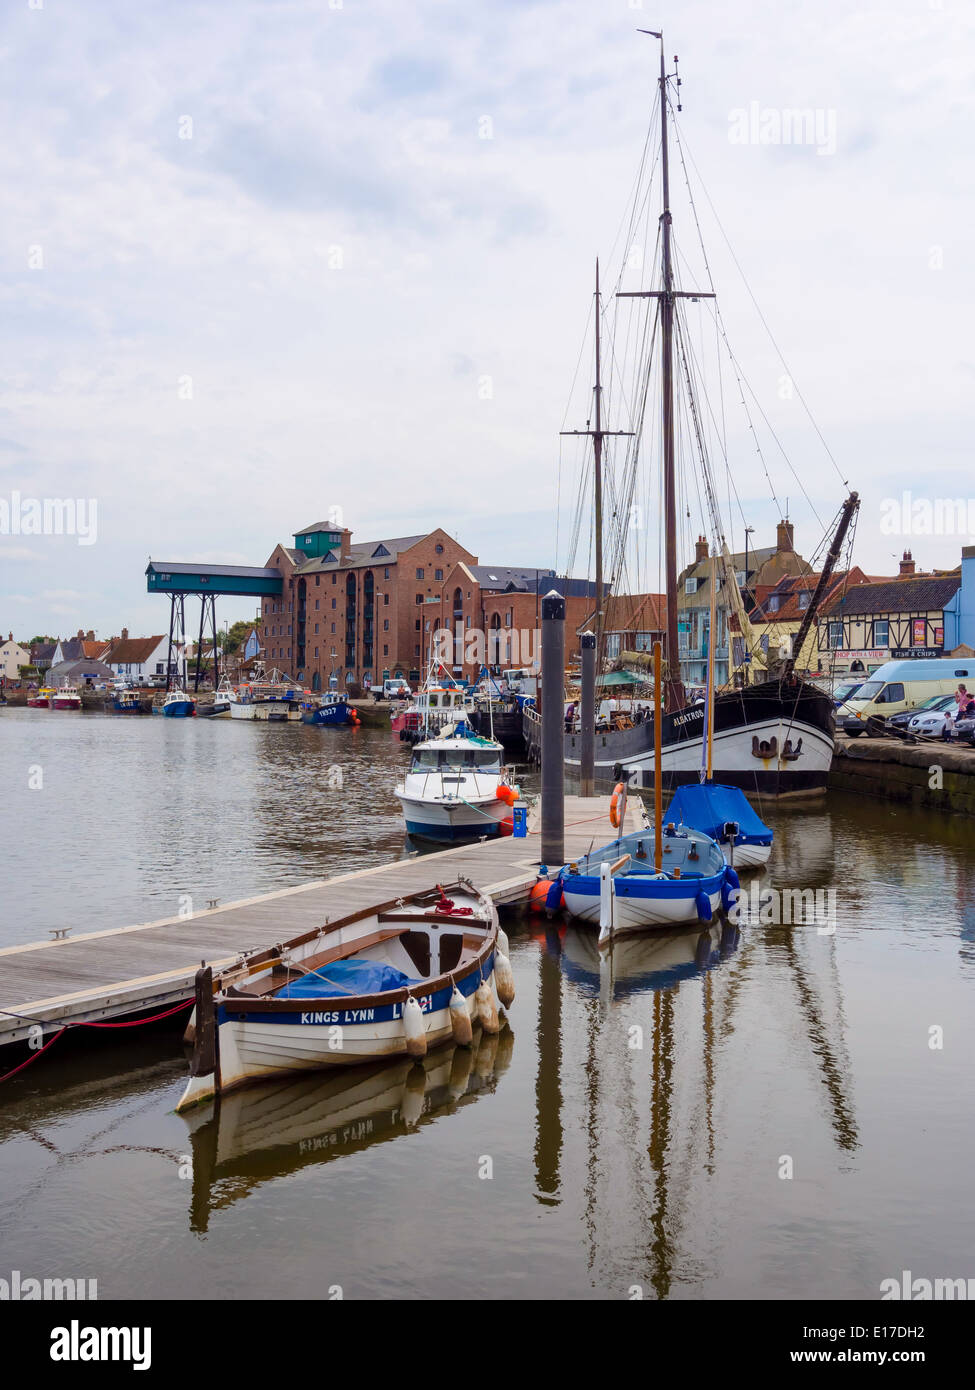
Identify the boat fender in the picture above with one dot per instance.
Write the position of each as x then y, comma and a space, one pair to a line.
415, 1029
504, 978
503, 941
730, 884
539, 894
703, 904
554, 898
460, 1019
487, 1010
615, 814
414, 1096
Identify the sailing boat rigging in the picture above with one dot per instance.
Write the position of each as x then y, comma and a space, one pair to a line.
774, 736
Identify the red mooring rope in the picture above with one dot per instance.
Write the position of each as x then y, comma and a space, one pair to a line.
135, 1023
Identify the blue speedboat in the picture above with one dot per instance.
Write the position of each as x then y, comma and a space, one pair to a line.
178, 705
712, 808
330, 708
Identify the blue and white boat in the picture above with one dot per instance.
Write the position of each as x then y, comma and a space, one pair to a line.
329, 708
178, 705
712, 808
387, 982
125, 701
618, 888
456, 788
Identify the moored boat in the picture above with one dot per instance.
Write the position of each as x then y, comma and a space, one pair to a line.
619, 888
386, 982
178, 705
715, 810
43, 697
330, 708
66, 697
456, 787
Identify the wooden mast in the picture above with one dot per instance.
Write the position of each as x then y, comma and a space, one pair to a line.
667, 297
675, 687
598, 435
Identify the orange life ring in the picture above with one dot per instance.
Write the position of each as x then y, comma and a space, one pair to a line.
619, 793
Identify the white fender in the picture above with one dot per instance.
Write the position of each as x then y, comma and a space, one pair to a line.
460, 1019
414, 1028
487, 1009
503, 941
504, 979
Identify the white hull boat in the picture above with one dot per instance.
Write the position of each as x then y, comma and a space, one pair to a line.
387, 982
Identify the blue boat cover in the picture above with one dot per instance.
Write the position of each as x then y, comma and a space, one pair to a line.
346, 977
707, 806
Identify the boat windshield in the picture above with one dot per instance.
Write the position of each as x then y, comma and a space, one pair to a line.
434, 759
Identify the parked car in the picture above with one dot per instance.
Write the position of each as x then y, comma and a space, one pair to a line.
845, 692
903, 685
930, 723
934, 703
964, 730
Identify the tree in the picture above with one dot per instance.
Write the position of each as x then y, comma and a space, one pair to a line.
236, 636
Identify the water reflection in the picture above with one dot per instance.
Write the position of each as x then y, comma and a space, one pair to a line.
260, 1133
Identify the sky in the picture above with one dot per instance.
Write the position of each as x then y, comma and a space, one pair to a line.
263, 260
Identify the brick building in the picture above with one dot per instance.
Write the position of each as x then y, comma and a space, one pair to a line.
349, 610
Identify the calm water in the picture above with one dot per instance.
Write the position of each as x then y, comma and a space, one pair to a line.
634, 1119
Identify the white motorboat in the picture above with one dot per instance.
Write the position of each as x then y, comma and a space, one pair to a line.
457, 787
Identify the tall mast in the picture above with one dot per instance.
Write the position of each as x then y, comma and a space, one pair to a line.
597, 450
667, 297
675, 687
598, 435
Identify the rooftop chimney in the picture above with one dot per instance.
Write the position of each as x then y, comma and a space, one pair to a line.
346, 543
701, 550
783, 536
125, 634
907, 563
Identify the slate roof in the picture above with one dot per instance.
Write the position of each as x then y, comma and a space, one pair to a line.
361, 553
132, 651
917, 595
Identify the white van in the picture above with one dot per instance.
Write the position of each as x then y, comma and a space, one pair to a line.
904, 685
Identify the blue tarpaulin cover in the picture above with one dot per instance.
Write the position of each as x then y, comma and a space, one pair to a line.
346, 977
706, 806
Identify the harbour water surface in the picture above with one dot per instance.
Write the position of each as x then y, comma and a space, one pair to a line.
785, 1113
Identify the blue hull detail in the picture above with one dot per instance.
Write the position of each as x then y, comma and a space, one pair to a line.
450, 832
181, 711
332, 714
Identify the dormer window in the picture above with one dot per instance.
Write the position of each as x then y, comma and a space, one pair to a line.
690, 585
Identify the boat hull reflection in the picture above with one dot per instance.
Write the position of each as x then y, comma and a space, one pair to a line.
254, 1135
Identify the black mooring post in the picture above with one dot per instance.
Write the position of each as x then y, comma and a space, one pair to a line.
587, 715
553, 729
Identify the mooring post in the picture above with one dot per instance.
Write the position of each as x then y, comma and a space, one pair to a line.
553, 729
587, 715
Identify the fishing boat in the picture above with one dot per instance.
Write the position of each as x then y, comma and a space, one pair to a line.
456, 788
220, 708
126, 701
178, 705
66, 697
723, 813
439, 701
43, 697
774, 735
275, 698
387, 982
329, 708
